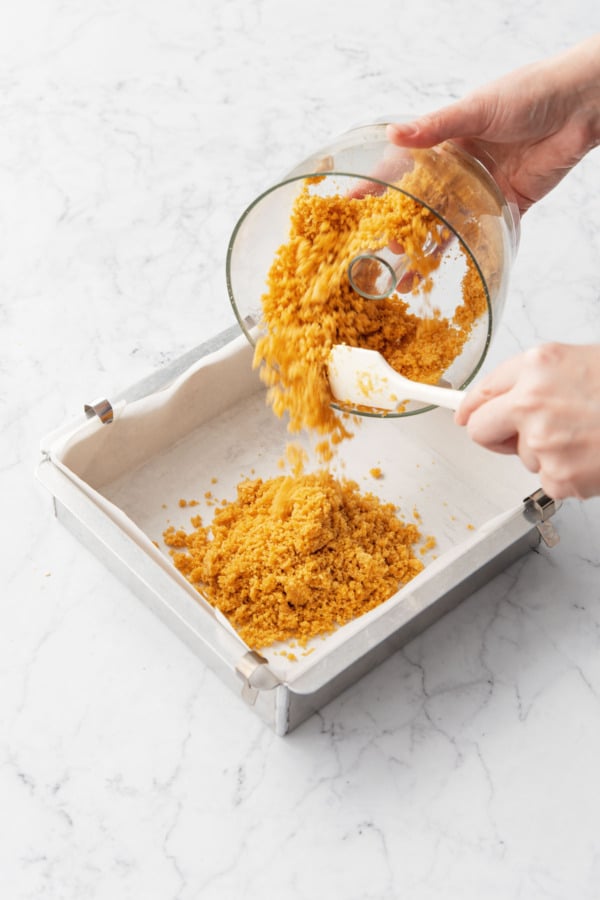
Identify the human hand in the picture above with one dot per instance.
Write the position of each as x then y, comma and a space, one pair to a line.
544, 405
530, 126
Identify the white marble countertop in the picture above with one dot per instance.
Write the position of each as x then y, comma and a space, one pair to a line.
132, 135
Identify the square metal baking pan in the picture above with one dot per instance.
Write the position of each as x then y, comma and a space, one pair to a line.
197, 428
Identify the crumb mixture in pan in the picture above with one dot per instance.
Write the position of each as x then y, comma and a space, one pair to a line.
297, 555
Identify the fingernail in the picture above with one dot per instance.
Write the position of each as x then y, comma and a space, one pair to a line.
408, 129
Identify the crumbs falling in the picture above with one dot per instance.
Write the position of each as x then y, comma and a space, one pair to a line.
310, 305
298, 555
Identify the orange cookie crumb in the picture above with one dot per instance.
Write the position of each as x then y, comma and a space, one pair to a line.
310, 305
430, 543
297, 556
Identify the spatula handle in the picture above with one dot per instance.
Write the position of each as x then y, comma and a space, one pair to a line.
440, 396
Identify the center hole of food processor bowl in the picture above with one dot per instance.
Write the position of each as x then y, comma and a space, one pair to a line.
372, 276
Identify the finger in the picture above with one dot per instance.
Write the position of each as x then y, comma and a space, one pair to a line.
396, 247
365, 188
467, 118
388, 170
559, 487
496, 426
493, 423
409, 281
497, 382
510, 446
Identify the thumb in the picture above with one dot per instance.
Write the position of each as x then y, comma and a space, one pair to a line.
466, 118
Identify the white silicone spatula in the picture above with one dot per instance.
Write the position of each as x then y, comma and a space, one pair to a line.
363, 378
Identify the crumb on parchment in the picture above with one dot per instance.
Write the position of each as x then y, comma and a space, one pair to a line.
296, 556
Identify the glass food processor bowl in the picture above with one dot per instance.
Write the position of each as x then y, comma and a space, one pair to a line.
419, 248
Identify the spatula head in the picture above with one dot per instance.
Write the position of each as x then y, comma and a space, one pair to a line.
361, 377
